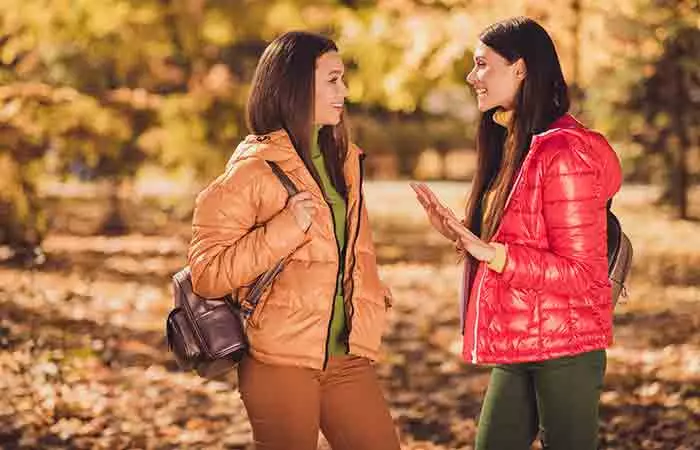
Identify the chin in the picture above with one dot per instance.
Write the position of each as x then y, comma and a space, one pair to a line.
483, 107
328, 118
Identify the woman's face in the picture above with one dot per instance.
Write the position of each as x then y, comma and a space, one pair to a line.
494, 79
330, 89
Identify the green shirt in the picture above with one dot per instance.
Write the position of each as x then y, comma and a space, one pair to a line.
336, 345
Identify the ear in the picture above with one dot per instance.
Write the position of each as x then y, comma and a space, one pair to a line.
520, 69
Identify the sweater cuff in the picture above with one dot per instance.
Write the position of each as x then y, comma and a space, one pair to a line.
498, 263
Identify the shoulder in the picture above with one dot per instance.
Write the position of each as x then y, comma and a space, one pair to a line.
244, 179
241, 173
566, 149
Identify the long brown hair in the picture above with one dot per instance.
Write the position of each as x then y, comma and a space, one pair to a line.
541, 99
282, 97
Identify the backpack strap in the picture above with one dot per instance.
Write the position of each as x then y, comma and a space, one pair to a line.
284, 179
247, 305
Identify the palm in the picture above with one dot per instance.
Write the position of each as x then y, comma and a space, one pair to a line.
438, 222
445, 221
437, 213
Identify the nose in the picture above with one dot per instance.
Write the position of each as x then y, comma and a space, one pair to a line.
471, 76
343, 89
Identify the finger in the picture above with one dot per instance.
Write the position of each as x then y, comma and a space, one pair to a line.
429, 193
301, 204
444, 213
461, 230
453, 216
456, 224
424, 199
435, 201
306, 200
424, 202
427, 200
422, 196
425, 192
303, 195
467, 237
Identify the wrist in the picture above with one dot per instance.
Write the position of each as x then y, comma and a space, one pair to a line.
498, 260
489, 259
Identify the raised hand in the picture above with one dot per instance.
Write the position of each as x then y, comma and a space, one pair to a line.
436, 211
303, 208
469, 242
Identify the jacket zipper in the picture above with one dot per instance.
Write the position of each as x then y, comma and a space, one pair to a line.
341, 259
483, 272
335, 291
476, 320
354, 247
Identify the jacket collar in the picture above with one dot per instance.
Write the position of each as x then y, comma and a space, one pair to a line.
276, 146
565, 121
503, 117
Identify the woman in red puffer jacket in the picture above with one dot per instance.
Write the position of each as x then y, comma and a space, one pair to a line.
537, 300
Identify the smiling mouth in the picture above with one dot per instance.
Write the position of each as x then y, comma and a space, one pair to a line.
481, 92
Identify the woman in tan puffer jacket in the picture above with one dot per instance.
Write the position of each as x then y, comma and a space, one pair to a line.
314, 334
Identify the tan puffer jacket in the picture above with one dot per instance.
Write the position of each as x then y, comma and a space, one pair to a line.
241, 228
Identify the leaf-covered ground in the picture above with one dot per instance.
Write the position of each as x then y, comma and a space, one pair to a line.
83, 362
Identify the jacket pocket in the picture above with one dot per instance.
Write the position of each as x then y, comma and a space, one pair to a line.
370, 286
254, 319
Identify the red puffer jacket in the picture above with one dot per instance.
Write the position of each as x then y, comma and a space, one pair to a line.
553, 297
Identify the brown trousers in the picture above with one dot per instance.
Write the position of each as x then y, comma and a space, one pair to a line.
287, 405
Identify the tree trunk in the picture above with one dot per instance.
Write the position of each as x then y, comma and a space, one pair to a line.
680, 180
576, 9
114, 223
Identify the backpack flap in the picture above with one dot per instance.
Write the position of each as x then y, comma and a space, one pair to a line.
215, 323
181, 340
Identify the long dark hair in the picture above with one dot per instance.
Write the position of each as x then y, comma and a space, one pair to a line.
282, 97
541, 99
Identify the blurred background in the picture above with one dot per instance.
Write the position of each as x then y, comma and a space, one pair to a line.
115, 113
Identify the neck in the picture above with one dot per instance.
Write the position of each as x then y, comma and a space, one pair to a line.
503, 117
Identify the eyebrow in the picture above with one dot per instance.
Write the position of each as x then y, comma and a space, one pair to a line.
335, 72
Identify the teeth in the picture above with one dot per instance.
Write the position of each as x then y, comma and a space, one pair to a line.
481, 91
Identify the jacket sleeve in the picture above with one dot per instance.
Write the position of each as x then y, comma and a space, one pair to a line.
573, 209
229, 249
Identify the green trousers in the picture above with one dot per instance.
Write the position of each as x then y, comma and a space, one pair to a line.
558, 397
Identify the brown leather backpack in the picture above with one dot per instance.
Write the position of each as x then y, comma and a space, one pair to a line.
619, 256
208, 335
